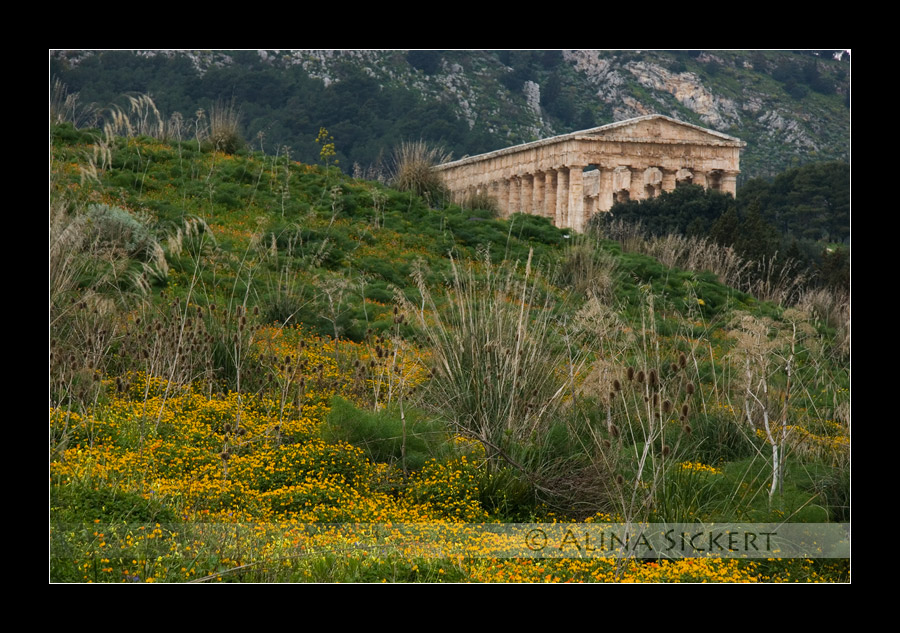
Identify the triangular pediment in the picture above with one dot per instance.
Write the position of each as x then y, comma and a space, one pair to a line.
658, 128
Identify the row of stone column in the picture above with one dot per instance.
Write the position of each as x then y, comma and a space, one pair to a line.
557, 194
569, 195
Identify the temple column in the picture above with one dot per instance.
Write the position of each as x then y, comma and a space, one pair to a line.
526, 196
514, 197
549, 209
652, 182
728, 184
605, 195
576, 197
684, 177
700, 179
562, 197
537, 201
501, 195
621, 182
668, 180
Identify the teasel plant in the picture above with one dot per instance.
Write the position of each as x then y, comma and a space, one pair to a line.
648, 408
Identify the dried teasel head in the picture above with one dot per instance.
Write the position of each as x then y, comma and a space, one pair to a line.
667, 406
666, 450
640, 376
629, 373
620, 480
690, 388
653, 380
682, 360
617, 386
685, 410
687, 429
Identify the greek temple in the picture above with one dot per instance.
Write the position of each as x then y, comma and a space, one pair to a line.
569, 178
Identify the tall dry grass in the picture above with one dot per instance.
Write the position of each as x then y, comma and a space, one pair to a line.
66, 107
412, 170
588, 270
224, 127
505, 372
772, 279
140, 117
678, 251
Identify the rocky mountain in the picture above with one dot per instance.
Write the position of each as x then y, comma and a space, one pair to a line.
791, 107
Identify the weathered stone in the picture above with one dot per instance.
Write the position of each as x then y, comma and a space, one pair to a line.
568, 178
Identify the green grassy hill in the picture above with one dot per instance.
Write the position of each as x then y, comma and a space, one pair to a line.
244, 346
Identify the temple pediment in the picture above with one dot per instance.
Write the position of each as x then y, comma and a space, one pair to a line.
658, 128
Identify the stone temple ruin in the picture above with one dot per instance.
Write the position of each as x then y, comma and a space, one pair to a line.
568, 178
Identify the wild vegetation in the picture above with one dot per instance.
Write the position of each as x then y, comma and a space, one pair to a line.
797, 225
260, 367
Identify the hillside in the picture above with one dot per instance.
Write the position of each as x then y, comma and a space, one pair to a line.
262, 369
791, 108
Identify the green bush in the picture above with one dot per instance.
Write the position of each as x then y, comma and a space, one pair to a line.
81, 503
116, 227
483, 201
380, 434
716, 438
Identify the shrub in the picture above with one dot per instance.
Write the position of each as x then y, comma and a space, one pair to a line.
82, 502
481, 200
116, 227
380, 434
505, 373
224, 122
500, 375
588, 270
413, 170
720, 437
